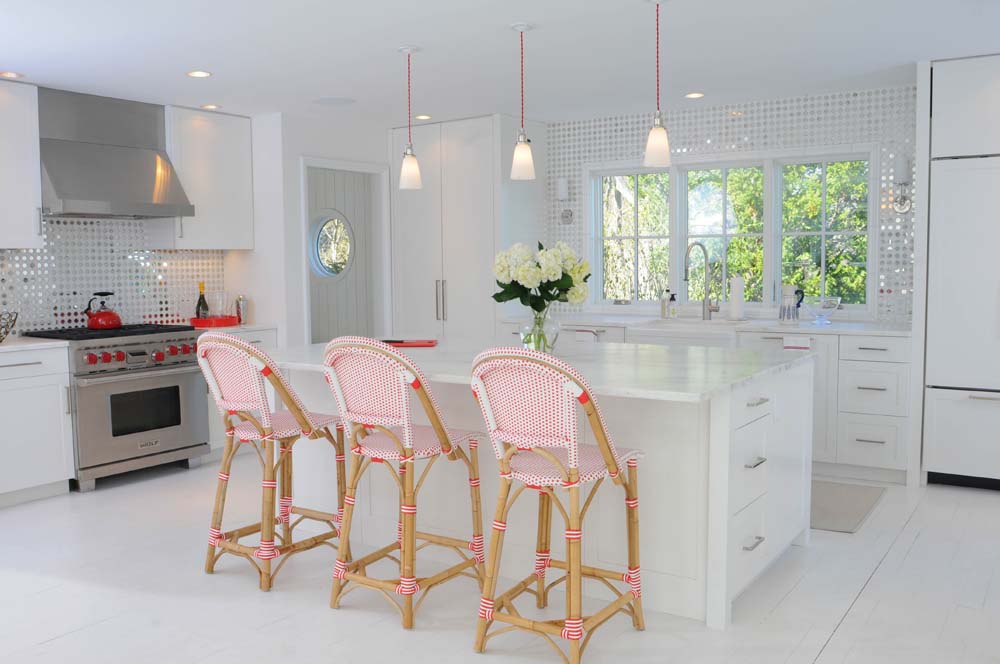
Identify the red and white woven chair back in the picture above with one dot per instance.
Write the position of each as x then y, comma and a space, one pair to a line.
372, 383
237, 372
530, 399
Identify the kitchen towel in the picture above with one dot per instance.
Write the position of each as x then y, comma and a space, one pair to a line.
797, 342
736, 297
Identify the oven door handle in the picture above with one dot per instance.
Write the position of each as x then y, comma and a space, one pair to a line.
152, 373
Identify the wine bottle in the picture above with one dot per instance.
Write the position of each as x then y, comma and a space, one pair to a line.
201, 309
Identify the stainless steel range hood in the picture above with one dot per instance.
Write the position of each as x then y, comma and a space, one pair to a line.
106, 158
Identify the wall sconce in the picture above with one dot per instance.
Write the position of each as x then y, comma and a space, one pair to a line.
902, 179
562, 195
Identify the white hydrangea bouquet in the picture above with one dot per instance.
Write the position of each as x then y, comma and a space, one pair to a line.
537, 279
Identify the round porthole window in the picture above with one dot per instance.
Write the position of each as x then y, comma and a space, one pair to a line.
332, 245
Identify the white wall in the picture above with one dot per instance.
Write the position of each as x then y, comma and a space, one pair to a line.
271, 275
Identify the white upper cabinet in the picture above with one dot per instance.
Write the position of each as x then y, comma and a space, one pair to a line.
212, 155
20, 167
965, 107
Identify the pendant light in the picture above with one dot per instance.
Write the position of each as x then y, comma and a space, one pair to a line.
523, 166
657, 145
409, 171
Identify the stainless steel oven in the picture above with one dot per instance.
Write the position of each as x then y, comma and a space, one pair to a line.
122, 417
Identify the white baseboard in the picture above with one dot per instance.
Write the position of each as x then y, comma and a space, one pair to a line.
842, 471
12, 498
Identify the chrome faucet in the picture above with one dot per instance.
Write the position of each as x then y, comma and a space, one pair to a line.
707, 308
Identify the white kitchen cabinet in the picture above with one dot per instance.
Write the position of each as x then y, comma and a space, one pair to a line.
874, 441
20, 167
212, 155
960, 432
825, 394
35, 410
446, 234
966, 104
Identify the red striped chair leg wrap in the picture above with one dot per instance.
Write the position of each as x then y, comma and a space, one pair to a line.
214, 536
223, 477
634, 580
543, 560
477, 548
632, 502
341, 458
399, 533
473, 444
474, 482
284, 509
340, 515
269, 484
499, 525
230, 432
266, 550
573, 629
573, 535
569, 485
506, 475
486, 608
407, 586
348, 499
408, 509
632, 463
340, 569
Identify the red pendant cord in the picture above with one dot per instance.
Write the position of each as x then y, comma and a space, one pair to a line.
522, 81
657, 56
409, 114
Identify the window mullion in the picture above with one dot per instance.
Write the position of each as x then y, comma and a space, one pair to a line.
822, 242
635, 243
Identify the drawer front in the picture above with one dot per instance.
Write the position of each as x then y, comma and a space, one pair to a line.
752, 402
874, 388
875, 349
960, 432
268, 337
592, 333
872, 440
761, 340
24, 364
748, 545
748, 476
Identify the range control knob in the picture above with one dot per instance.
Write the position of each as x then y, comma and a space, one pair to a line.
185, 349
105, 357
90, 358
173, 350
158, 356
194, 349
119, 356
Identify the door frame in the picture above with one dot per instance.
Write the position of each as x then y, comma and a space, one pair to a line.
381, 241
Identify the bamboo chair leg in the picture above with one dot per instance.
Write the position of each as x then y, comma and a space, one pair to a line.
343, 547
543, 543
477, 505
286, 489
407, 557
267, 512
574, 581
220, 500
632, 521
492, 567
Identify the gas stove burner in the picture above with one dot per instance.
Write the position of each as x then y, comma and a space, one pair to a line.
85, 334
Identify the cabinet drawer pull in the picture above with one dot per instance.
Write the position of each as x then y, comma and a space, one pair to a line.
19, 364
873, 389
596, 333
437, 299
870, 440
757, 541
759, 461
516, 334
69, 402
760, 401
978, 398
773, 338
871, 348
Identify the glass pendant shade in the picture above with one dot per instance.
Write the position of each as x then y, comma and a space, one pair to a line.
523, 166
409, 172
657, 145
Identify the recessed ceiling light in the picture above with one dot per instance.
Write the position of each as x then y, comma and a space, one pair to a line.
422, 117
198, 73
211, 107
695, 95
10, 74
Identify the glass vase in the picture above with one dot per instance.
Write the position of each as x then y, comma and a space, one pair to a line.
541, 333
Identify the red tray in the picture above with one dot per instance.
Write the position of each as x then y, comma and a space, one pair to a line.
215, 321
411, 343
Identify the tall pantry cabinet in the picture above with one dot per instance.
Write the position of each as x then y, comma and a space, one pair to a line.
445, 235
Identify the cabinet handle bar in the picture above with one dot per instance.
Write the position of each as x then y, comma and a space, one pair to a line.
757, 541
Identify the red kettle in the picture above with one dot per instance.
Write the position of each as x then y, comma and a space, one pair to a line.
103, 318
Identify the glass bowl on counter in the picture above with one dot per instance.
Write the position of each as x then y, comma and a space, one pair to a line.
821, 308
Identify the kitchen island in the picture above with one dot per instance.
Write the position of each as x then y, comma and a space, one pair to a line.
724, 485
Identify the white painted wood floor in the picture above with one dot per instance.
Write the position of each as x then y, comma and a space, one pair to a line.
116, 576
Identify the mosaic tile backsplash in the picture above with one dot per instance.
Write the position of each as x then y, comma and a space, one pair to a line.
49, 287
885, 117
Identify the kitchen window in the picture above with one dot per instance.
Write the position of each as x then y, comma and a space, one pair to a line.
770, 220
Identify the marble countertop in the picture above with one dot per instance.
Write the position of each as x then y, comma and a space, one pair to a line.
875, 329
236, 329
662, 373
14, 344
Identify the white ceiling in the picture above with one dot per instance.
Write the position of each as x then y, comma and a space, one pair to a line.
586, 58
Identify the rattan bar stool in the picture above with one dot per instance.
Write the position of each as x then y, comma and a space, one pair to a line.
372, 383
236, 373
529, 401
